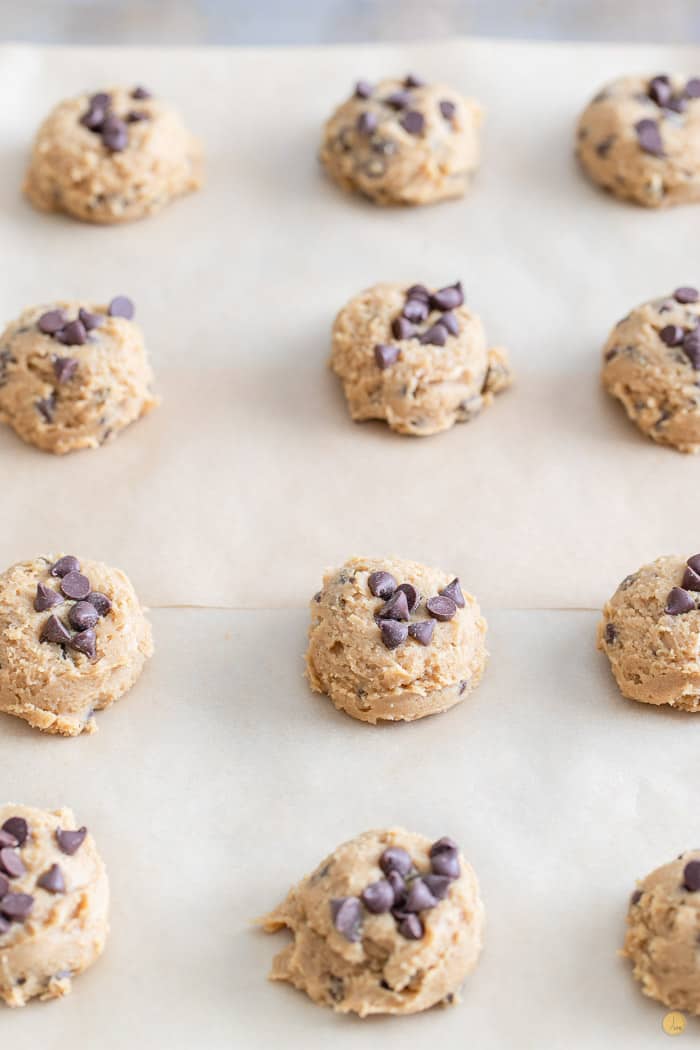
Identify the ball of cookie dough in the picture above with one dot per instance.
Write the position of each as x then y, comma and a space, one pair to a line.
389, 923
640, 139
394, 640
54, 903
650, 631
73, 639
663, 930
74, 375
416, 358
403, 142
112, 157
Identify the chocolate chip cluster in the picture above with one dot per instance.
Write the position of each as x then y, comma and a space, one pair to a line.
686, 338
419, 305
401, 101
87, 608
680, 600
660, 91
691, 881
403, 891
101, 119
402, 600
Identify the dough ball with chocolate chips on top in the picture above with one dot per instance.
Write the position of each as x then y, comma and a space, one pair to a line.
54, 903
394, 640
640, 139
73, 639
650, 632
74, 375
651, 363
403, 142
112, 157
416, 358
663, 933
390, 923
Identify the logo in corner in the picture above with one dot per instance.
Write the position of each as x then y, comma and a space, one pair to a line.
673, 1023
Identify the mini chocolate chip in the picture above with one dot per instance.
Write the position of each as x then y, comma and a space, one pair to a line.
83, 615
441, 607
412, 81
450, 322
47, 406
347, 917
4, 886
678, 602
381, 584
367, 123
85, 642
398, 99
51, 322
402, 329
121, 306
100, 601
636, 897
140, 92
422, 631
610, 633
660, 90
692, 88
436, 335
394, 858
418, 291
76, 586
393, 633
72, 334
18, 828
413, 122
386, 355
378, 897
54, 631
439, 885
415, 310
605, 145
448, 298
691, 876
649, 137
135, 116
395, 608
672, 334
411, 928
411, 595
70, 841
17, 906
691, 580
454, 591
64, 368
691, 348
447, 108
89, 320
11, 863
419, 897
686, 295
115, 137
46, 598
363, 89
52, 880
68, 563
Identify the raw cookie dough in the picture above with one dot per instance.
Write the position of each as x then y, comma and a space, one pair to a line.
651, 364
650, 631
73, 639
403, 142
415, 358
112, 157
388, 924
663, 935
54, 903
640, 139
74, 375
394, 640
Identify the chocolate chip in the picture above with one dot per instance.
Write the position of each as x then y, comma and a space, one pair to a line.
347, 917
692, 88
394, 858
672, 334
422, 631
17, 906
68, 563
140, 92
94, 118
686, 295
47, 406
18, 828
636, 897
691, 348
135, 116
52, 880
448, 298
447, 108
605, 145
381, 584
411, 928
51, 322
46, 598
439, 885
678, 602
83, 615
436, 335
393, 633
660, 90
64, 368
70, 841
386, 355
367, 123
415, 310
85, 642
694, 563
450, 322
419, 897
446, 863
4, 886
412, 81
691, 580
89, 320
649, 137
610, 633
398, 99
441, 607
54, 631
11, 863
398, 886
418, 291
116, 136
121, 307
363, 89
677, 105
402, 329
411, 595
6, 839
76, 586
691, 876
100, 601
395, 608
454, 591
378, 897
72, 334
413, 122
5, 925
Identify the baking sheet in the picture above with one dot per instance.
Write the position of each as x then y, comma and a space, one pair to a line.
251, 477
560, 792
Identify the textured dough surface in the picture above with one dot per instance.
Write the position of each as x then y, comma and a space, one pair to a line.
66, 932
429, 388
609, 150
656, 383
653, 655
110, 388
383, 972
53, 687
663, 936
392, 166
72, 171
347, 660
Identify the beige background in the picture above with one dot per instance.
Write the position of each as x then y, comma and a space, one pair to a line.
221, 779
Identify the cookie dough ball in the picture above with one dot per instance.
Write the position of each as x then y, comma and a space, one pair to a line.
389, 923
54, 903
417, 359
640, 139
663, 930
74, 375
650, 631
73, 639
651, 363
112, 157
403, 142
394, 640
